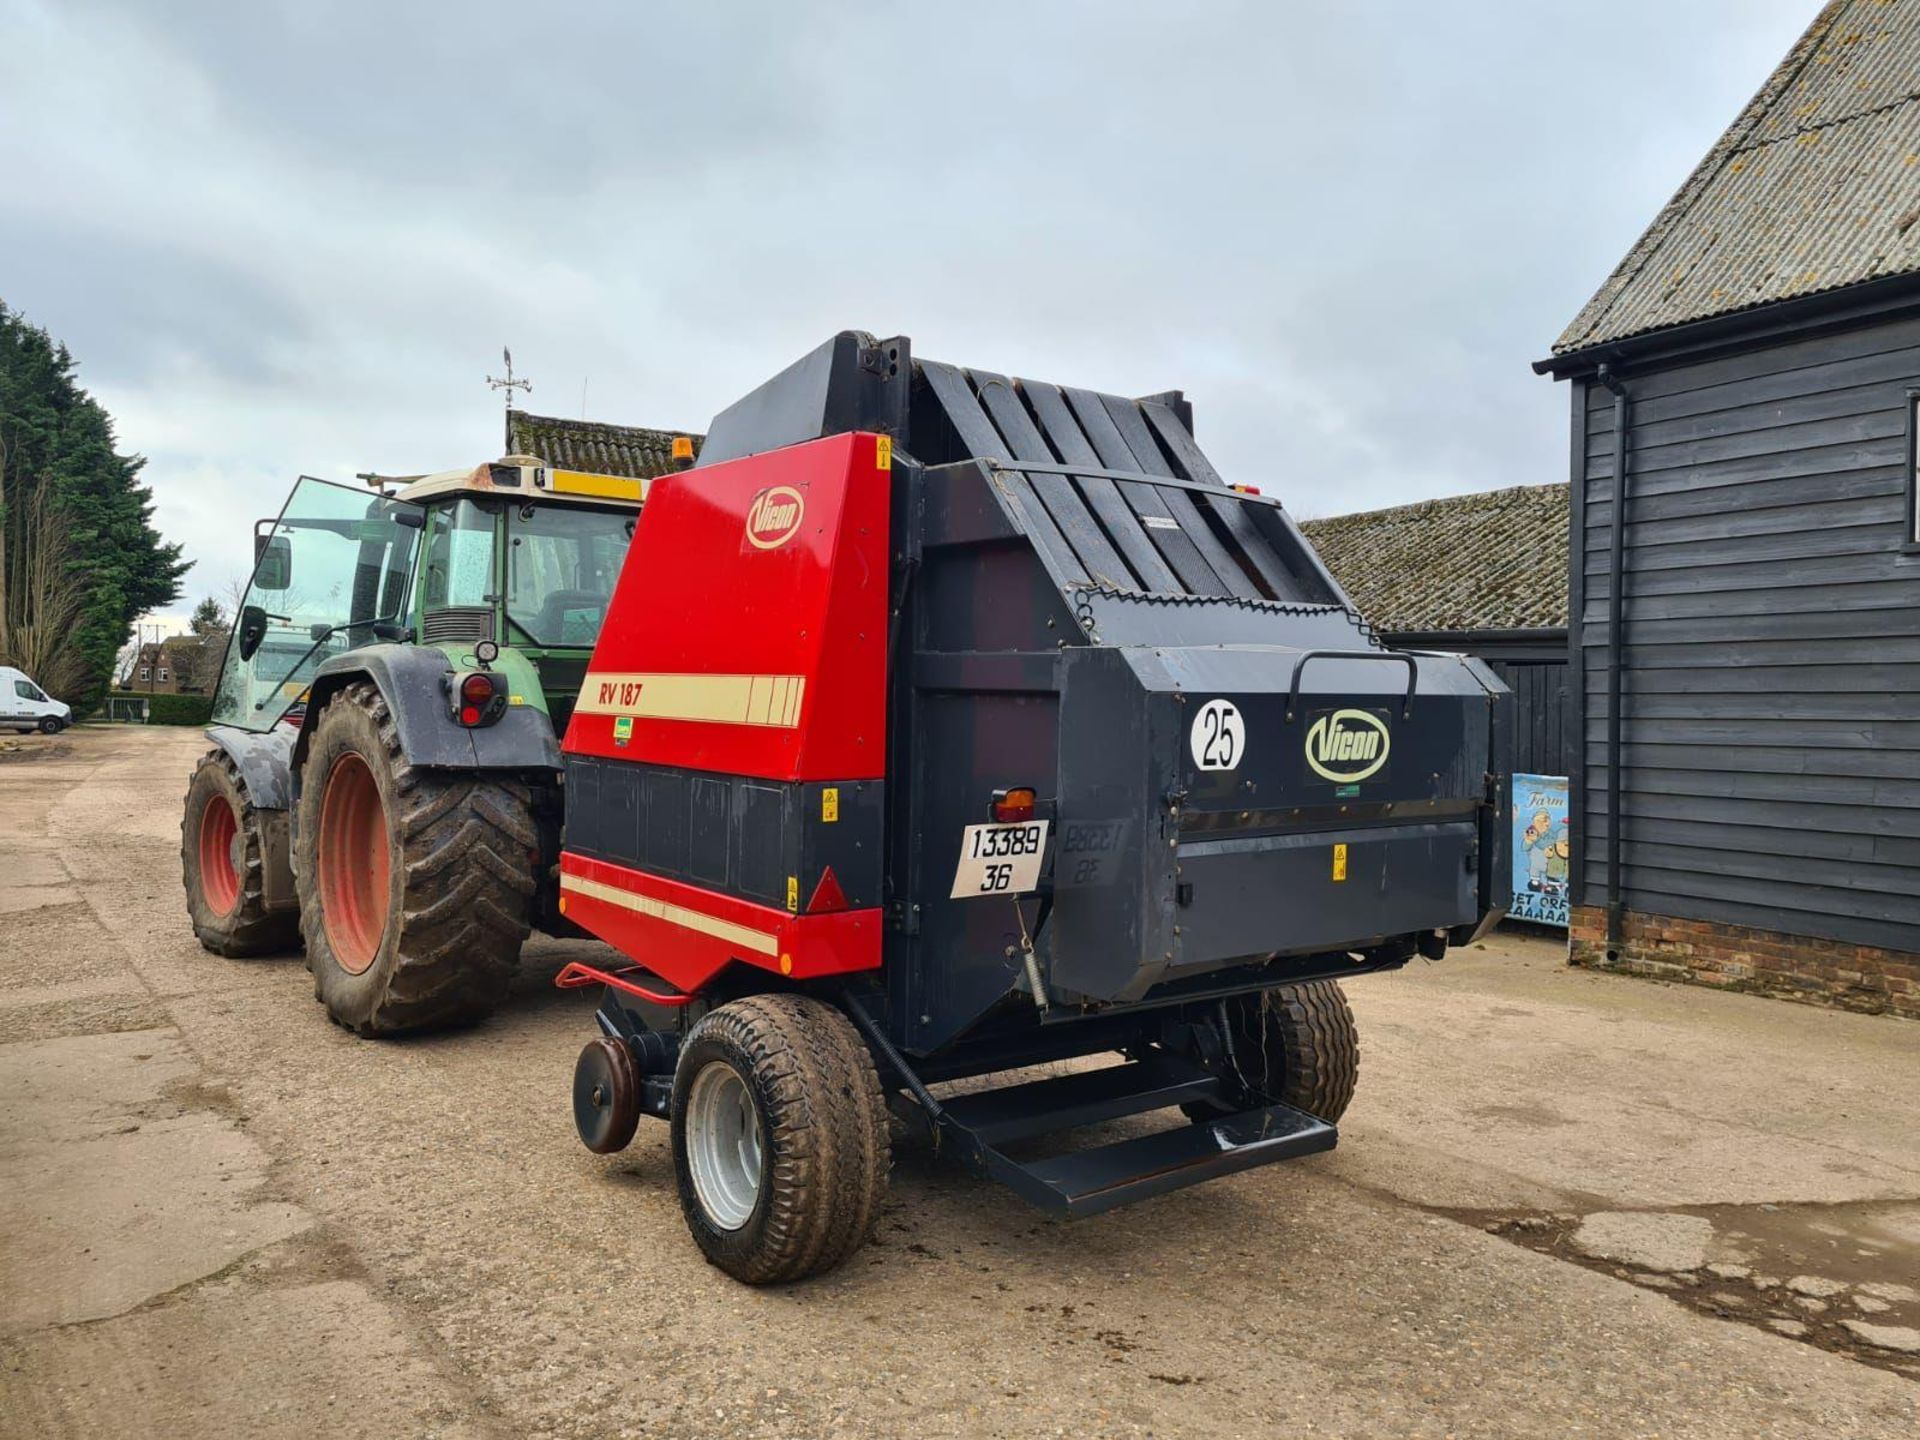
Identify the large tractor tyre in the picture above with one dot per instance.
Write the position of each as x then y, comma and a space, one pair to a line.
223, 861
415, 885
780, 1140
1295, 1044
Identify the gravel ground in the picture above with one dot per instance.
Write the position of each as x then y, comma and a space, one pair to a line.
224, 1216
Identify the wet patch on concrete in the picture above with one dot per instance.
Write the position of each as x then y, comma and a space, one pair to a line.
1844, 1278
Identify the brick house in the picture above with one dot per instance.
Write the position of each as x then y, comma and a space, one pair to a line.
1745, 558
178, 665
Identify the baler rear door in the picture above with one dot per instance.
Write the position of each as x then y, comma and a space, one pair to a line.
1230, 803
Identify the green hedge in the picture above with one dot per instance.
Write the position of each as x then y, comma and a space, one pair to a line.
179, 709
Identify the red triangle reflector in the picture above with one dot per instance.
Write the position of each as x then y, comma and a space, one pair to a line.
827, 895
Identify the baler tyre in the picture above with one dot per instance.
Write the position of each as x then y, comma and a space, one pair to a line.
223, 863
780, 1139
1295, 1043
416, 886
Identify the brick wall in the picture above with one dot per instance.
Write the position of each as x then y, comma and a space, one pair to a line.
1762, 962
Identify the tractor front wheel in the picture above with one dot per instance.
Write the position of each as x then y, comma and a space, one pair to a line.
223, 859
1295, 1044
780, 1138
416, 886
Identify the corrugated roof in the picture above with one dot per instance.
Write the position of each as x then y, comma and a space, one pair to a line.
1493, 561
591, 446
1815, 186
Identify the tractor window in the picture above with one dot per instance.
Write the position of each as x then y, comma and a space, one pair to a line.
460, 560
562, 563
333, 556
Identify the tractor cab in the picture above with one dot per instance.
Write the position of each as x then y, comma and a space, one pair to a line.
511, 552
385, 778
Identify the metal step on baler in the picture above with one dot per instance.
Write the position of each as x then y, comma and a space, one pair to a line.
996, 1133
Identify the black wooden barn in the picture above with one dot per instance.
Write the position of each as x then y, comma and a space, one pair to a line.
1745, 577
1485, 575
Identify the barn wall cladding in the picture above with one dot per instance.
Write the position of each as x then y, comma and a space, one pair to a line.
1745, 565
1541, 719
1771, 658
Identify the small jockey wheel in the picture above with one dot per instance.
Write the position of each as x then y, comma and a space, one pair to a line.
606, 1095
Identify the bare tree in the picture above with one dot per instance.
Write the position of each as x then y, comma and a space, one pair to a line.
37, 621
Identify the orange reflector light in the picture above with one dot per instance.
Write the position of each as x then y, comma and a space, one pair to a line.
1011, 807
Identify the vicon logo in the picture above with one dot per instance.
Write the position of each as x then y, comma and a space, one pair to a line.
1347, 745
774, 517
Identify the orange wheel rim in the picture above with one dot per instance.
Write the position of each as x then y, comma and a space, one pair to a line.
354, 867
219, 879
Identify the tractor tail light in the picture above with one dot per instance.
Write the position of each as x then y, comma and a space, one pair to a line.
1012, 807
480, 698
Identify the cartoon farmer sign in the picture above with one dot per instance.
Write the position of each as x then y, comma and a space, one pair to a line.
1542, 849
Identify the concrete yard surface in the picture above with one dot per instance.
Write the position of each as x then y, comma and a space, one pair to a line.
1563, 1204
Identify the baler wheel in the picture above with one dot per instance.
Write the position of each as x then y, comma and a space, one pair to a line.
1293, 1043
223, 862
780, 1140
416, 886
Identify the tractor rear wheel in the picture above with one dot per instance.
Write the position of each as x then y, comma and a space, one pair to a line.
1295, 1044
223, 861
416, 886
780, 1140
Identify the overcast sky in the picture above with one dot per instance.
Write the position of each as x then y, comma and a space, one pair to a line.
294, 237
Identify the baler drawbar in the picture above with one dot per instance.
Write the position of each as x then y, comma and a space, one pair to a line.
945, 725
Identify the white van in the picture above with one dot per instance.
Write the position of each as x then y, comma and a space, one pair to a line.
25, 706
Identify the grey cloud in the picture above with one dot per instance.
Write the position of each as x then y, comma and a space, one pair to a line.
289, 237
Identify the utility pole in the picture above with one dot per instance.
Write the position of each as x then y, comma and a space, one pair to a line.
506, 388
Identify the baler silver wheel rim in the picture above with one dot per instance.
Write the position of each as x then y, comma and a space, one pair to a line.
724, 1149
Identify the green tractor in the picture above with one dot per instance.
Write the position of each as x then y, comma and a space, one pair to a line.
385, 780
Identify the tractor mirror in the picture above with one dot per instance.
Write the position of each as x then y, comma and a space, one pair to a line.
272, 562
252, 629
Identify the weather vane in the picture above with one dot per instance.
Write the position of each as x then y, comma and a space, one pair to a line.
509, 385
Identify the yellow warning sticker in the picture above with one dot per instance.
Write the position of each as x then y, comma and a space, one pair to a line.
622, 729
830, 804
883, 453
793, 893
1340, 862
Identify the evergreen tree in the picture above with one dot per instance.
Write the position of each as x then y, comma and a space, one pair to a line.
207, 617
79, 557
